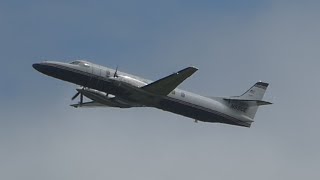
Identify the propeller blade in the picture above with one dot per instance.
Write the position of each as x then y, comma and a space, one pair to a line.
81, 98
75, 96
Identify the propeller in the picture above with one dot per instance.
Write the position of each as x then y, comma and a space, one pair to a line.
76, 95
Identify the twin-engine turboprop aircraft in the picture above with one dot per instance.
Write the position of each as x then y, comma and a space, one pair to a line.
111, 88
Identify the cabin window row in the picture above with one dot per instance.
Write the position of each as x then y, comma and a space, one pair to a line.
182, 93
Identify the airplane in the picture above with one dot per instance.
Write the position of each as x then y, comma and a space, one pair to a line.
107, 87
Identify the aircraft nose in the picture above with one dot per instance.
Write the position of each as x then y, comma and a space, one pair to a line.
39, 67
36, 66
47, 68
43, 67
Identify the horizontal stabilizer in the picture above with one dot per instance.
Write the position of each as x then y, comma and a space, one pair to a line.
167, 84
249, 102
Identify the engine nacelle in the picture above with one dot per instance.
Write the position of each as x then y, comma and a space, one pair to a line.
103, 98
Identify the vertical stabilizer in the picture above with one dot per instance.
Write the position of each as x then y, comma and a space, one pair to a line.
256, 92
249, 101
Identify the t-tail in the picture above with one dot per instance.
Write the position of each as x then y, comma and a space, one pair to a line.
247, 104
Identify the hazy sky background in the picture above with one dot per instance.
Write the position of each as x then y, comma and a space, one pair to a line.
233, 43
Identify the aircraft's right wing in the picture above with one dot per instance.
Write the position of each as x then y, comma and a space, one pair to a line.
167, 84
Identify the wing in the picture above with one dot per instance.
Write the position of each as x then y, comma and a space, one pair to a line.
167, 84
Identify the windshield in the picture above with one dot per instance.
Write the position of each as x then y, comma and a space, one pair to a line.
76, 62
81, 63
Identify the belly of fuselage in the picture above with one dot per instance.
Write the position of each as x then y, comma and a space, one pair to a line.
196, 112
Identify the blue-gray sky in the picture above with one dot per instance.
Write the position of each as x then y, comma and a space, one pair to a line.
233, 43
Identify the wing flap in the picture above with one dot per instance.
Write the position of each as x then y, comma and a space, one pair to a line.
167, 84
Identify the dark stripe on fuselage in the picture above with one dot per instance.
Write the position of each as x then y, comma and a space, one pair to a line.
198, 112
167, 103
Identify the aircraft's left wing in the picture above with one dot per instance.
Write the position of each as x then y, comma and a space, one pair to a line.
167, 84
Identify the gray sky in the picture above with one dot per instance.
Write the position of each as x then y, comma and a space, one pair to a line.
233, 43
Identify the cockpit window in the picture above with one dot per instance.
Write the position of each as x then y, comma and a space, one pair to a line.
81, 63
75, 62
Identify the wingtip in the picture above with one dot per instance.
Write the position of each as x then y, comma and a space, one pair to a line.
194, 68
190, 69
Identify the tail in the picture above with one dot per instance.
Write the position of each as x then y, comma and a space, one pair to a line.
249, 102
256, 92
